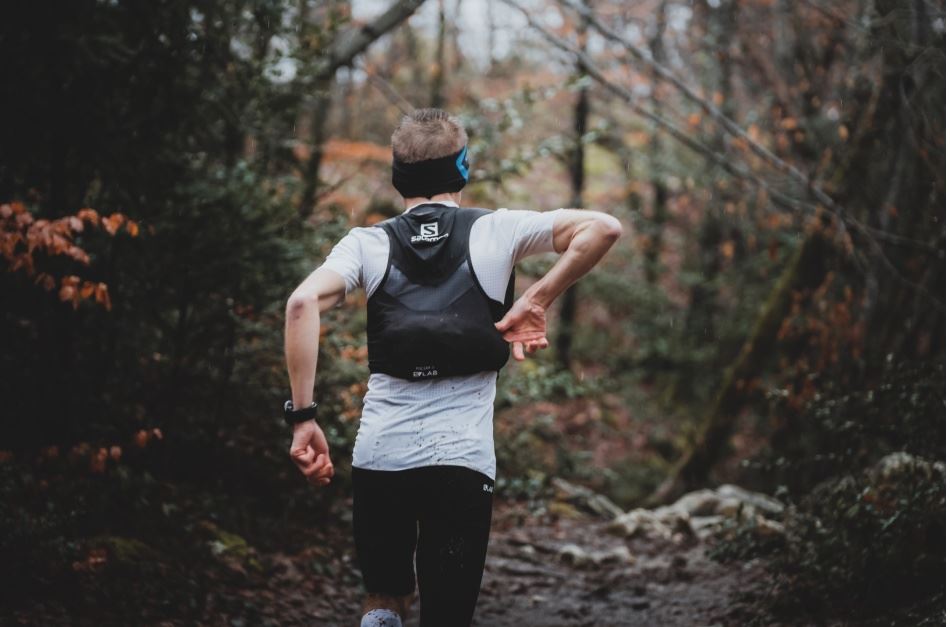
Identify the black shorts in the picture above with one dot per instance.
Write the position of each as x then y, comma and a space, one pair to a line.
442, 514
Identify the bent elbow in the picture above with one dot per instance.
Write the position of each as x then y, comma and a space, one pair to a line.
300, 302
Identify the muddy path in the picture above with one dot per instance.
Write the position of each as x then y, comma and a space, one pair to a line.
541, 570
535, 575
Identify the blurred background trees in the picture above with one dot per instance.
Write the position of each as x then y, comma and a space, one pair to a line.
774, 315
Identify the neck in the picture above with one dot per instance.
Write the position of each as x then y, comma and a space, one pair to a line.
455, 197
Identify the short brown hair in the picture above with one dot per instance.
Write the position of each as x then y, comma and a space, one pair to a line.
427, 134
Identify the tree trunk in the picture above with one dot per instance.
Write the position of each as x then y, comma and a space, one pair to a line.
804, 271
568, 311
490, 10
318, 115
436, 98
660, 191
458, 59
719, 26
896, 203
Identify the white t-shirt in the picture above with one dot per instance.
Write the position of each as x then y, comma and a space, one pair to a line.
445, 421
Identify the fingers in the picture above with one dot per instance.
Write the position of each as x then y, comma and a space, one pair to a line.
520, 349
517, 351
308, 460
524, 335
316, 467
321, 479
320, 472
524, 322
531, 347
303, 456
503, 324
311, 453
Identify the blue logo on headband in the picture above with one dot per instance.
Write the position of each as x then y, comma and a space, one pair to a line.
462, 163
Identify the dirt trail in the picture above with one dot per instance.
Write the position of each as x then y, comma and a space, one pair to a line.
532, 580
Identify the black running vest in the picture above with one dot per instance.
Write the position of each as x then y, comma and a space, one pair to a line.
429, 317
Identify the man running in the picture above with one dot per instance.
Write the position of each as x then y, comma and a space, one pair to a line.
439, 280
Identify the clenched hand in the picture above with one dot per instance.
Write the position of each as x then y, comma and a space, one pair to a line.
524, 327
310, 452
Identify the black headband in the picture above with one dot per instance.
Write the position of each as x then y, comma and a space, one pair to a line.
432, 176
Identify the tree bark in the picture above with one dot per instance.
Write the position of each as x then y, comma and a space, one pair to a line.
490, 14
718, 25
660, 192
804, 271
436, 98
355, 40
907, 185
568, 311
318, 115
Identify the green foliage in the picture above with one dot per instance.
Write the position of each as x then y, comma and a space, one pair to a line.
536, 381
867, 528
33, 545
847, 431
529, 485
870, 540
126, 547
148, 112
532, 446
856, 545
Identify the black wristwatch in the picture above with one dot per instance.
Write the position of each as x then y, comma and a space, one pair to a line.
293, 416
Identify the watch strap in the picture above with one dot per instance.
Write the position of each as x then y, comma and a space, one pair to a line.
293, 416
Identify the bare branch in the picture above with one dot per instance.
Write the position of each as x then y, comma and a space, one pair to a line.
665, 74
584, 61
341, 52
845, 224
355, 40
386, 88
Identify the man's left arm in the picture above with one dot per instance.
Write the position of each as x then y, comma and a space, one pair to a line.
321, 290
582, 238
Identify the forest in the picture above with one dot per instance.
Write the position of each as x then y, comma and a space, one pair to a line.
740, 419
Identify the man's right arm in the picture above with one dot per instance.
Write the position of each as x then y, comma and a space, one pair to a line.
582, 238
319, 291
325, 287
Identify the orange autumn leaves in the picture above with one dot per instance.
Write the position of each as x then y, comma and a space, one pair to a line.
99, 457
71, 291
22, 236
94, 458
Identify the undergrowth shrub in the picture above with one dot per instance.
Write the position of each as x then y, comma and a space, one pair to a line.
865, 479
